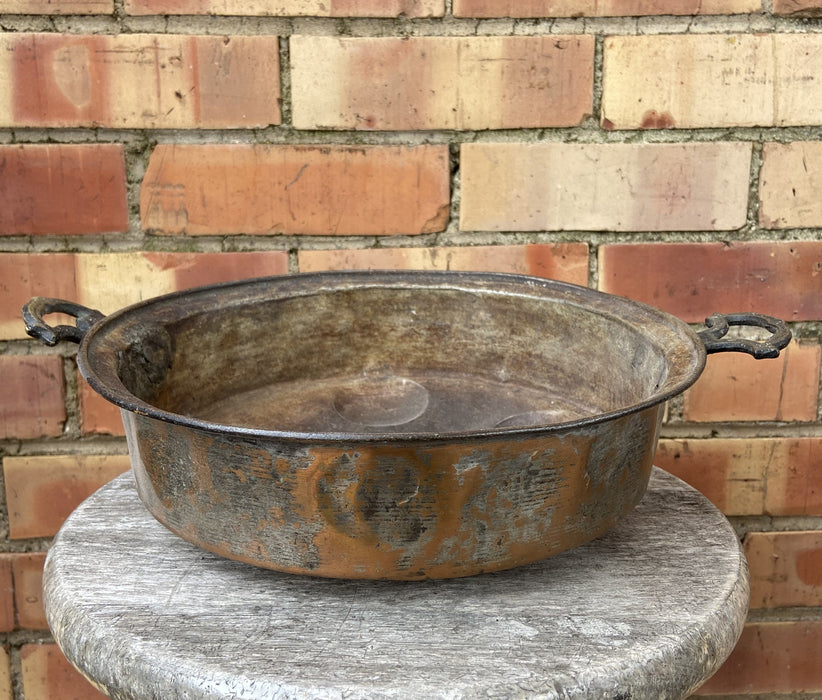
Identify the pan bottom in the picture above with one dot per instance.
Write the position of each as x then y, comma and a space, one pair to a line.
384, 402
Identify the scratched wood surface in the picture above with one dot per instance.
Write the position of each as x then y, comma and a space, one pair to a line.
648, 611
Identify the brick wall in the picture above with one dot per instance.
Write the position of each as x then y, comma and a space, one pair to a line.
668, 151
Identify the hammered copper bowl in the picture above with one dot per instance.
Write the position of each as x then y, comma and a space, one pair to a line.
399, 425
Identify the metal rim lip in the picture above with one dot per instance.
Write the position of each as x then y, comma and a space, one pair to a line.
102, 377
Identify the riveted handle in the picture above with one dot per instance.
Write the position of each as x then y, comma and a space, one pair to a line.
36, 327
717, 327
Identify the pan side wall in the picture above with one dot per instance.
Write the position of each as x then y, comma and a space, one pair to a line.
392, 511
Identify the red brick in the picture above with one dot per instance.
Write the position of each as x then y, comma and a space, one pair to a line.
600, 8
25, 276
98, 416
139, 81
370, 190
786, 568
810, 8
441, 82
694, 280
7, 621
27, 570
32, 403
47, 675
312, 8
742, 79
57, 7
42, 491
611, 187
110, 281
756, 476
563, 261
737, 387
772, 657
789, 185
62, 189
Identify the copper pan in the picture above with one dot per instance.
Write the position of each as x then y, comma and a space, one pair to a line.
400, 425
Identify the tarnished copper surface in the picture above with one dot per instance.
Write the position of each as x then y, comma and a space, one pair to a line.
391, 425
407, 511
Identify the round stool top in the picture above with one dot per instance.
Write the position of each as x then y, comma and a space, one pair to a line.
648, 611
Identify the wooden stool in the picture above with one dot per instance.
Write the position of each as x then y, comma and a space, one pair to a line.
648, 611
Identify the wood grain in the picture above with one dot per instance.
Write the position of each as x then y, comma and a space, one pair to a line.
648, 611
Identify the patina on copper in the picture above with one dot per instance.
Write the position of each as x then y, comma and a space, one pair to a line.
400, 425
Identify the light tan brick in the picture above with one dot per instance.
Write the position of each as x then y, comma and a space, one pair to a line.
57, 7
737, 387
62, 189
369, 190
41, 491
613, 187
27, 570
564, 261
139, 81
6, 690
600, 8
772, 657
32, 402
798, 67
309, 8
441, 82
758, 476
789, 185
694, 280
712, 80
110, 281
47, 675
786, 568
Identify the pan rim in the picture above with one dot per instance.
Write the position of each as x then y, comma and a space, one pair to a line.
99, 369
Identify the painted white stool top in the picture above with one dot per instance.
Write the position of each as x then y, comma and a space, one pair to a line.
650, 610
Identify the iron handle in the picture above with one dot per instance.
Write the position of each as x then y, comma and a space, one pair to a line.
36, 327
717, 327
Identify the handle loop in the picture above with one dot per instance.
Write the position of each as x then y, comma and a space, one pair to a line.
36, 327
717, 327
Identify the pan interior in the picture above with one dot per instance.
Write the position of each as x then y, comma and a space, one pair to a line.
387, 360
